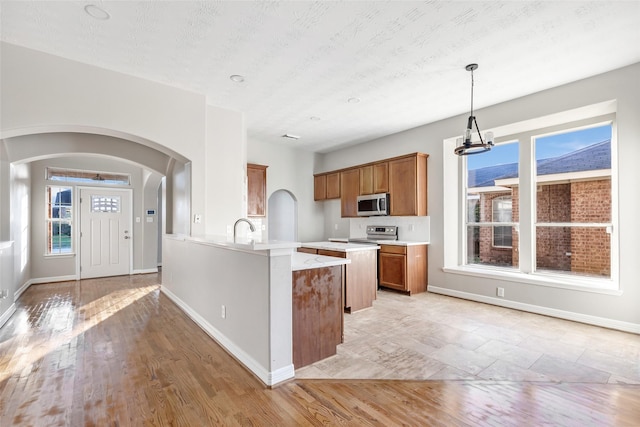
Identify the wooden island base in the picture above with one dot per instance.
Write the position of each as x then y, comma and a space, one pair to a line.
317, 314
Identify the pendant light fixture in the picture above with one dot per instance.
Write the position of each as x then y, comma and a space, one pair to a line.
465, 146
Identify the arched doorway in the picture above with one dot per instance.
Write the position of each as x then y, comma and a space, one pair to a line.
283, 216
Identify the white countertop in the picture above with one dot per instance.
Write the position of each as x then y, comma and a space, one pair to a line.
239, 243
380, 242
340, 246
304, 261
400, 243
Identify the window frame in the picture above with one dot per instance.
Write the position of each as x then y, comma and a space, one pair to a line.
51, 221
455, 184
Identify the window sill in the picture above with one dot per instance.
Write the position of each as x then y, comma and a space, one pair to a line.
69, 255
584, 284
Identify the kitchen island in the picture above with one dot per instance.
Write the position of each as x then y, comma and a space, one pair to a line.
317, 307
240, 292
361, 277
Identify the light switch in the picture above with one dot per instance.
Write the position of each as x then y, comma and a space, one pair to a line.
137, 219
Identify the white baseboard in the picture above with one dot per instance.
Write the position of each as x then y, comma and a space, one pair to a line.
553, 312
7, 314
145, 271
30, 282
267, 377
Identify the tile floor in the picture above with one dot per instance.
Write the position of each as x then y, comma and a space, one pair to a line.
430, 336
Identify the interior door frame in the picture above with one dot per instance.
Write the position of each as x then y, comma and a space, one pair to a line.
78, 222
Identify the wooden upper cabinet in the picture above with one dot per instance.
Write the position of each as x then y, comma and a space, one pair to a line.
256, 189
319, 187
326, 186
349, 191
333, 185
366, 180
403, 177
408, 185
374, 178
381, 178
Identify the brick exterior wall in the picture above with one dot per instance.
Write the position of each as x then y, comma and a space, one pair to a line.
576, 249
488, 253
591, 248
553, 244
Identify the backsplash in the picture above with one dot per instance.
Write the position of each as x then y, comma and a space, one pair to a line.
410, 228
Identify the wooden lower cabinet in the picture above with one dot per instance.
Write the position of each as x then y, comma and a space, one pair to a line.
361, 287
404, 268
317, 314
360, 278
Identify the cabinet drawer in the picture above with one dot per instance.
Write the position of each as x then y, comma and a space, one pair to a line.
308, 250
393, 249
332, 253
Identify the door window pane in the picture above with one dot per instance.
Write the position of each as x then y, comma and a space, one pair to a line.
105, 204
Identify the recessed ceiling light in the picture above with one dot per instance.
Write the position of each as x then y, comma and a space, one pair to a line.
96, 12
237, 78
288, 135
353, 100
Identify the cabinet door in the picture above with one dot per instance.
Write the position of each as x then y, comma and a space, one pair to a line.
349, 190
381, 178
333, 185
319, 187
366, 180
393, 271
408, 185
256, 190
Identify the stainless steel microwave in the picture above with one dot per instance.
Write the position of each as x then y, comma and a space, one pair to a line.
373, 204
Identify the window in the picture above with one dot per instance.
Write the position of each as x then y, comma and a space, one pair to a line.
573, 203
92, 177
105, 204
492, 181
555, 221
502, 213
59, 220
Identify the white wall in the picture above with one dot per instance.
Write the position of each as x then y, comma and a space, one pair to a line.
291, 169
622, 85
42, 93
20, 223
45, 93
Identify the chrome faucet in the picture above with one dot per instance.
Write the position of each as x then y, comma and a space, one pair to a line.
251, 226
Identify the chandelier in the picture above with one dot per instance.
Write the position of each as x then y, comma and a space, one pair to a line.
465, 146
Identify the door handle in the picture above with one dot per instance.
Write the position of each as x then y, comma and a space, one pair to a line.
127, 237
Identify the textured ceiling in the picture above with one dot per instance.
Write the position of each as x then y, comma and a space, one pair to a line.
303, 60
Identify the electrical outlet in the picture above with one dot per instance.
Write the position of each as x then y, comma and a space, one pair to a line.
4, 293
197, 218
500, 292
223, 312
410, 227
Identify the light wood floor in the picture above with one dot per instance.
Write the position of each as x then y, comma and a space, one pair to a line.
117, 352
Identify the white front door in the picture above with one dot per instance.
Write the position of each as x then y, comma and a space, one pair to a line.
105, 232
